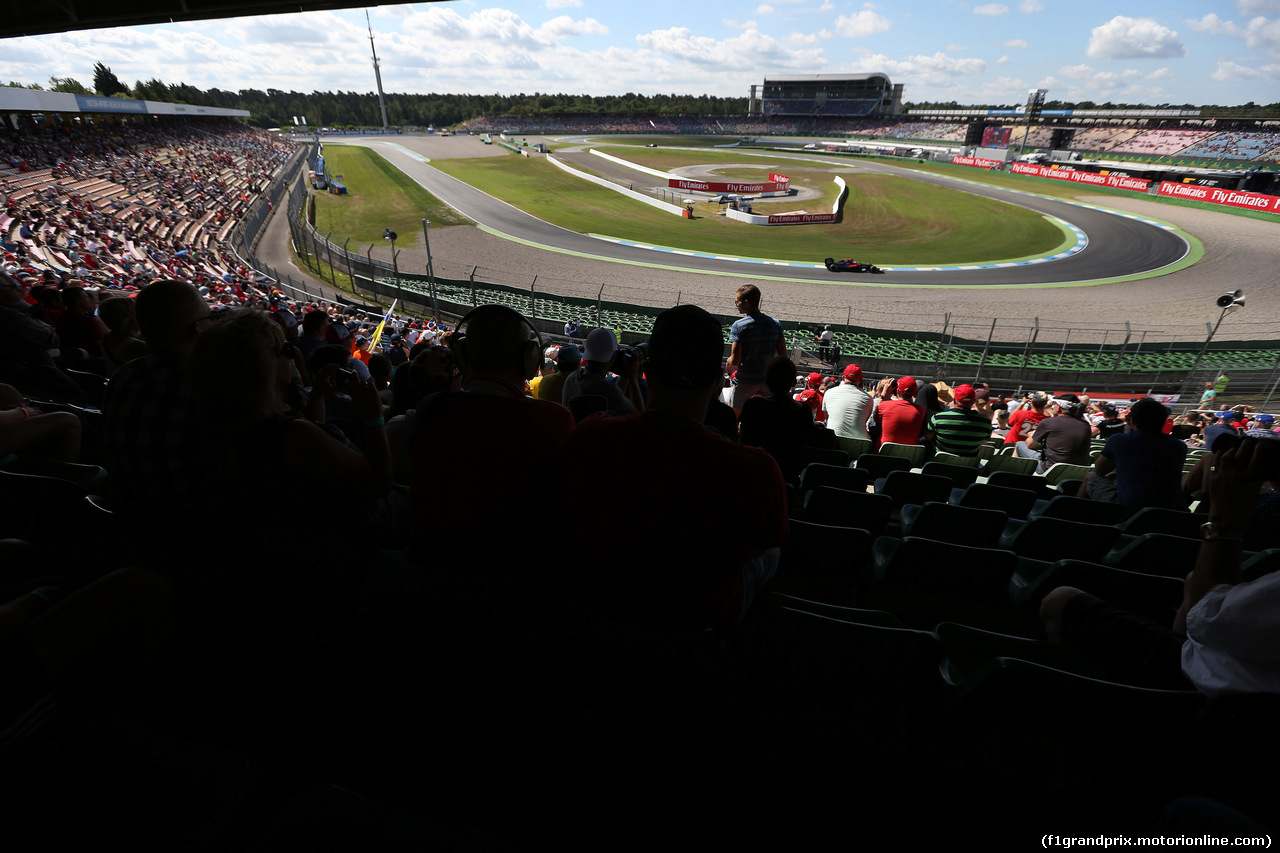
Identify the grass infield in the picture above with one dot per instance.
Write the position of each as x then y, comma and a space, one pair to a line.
888, 220
379, 196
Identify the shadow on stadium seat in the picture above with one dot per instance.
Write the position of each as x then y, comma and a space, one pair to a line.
961, 476
818, 474
1174, 522
947, 523
1079, 509
1154, 597
923, 582
1016, 503
845, 508
1053, 539
822, 562
1156, 554
878, 467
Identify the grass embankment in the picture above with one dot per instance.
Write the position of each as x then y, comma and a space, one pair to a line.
887, 220
378, 196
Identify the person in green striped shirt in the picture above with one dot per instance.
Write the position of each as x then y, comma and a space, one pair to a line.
960, 430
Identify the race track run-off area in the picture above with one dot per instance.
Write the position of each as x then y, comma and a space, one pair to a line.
1109, 244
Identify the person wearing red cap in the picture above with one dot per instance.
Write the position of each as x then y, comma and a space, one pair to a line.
900, 418
960, 430
812, 396
848, 406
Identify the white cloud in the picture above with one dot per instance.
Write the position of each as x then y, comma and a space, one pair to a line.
1259, 33
563, 26
739, 25
1029, 6
1257, 7
1018, 43
861, 24
802, 39
1262, 34
826, 6
1002, 60
1134, 38
956, 47
1229, 71
1160, 74
563, 4
991, 9
741, 52
938, 63
1084, 82
1214, 25
764, 9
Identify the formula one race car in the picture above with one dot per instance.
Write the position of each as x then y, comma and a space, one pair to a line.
849, 265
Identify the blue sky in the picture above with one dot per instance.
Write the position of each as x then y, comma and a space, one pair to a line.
1216, 51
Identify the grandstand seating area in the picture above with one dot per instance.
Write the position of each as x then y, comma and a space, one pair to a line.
1161, 143
1102, 138
120, 205
1235, 145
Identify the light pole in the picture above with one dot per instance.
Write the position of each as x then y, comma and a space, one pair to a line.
391, 236
1229, 303
431, 272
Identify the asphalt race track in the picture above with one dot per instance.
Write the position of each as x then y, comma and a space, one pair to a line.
1118, 245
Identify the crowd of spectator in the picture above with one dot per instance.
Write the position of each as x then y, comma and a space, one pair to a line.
119, 204
434, 563
1162, 143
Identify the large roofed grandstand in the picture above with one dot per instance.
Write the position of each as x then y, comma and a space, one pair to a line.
830, 95
506, 568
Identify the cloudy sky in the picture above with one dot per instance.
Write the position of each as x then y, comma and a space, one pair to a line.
1211, 51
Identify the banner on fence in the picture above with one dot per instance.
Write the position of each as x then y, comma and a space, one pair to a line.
800, 218
980, 162
755, 188
1230, 198
1120, 182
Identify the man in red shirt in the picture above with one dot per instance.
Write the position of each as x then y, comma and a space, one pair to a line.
900, 418
1022, 423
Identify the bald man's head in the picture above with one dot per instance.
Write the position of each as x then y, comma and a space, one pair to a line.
171, 315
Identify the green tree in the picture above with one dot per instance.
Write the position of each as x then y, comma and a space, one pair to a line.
67, 84
106, 83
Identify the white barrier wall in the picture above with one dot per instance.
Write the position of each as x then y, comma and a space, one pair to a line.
610, 185
793, 218
657, 173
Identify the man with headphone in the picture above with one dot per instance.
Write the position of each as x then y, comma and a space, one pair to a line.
478, 452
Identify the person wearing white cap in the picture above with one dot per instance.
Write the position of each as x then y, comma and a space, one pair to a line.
593, 380
1062, 437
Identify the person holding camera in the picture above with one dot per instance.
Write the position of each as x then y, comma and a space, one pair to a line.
600, 356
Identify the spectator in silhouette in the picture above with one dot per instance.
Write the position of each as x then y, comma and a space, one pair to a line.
695, 579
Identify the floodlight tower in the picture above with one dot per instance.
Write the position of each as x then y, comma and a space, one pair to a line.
1035, 100
377, 73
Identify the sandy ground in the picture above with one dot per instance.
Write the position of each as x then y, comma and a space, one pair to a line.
1239, 253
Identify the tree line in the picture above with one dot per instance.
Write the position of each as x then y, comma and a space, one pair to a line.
276, 108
